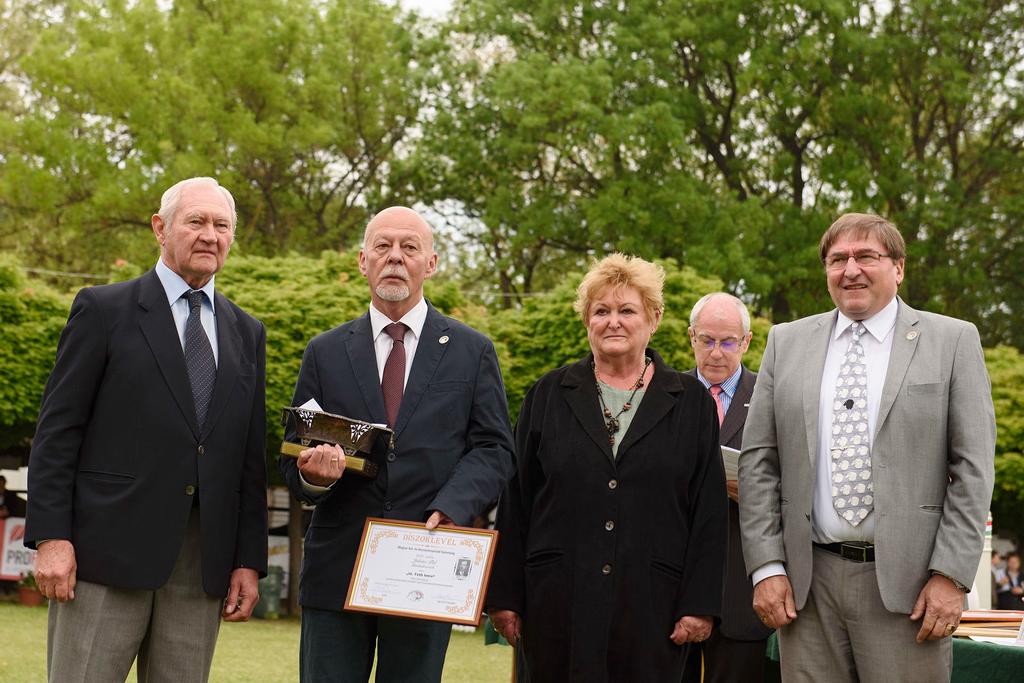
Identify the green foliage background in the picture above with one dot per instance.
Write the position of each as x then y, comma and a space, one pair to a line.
298, 297
32, 316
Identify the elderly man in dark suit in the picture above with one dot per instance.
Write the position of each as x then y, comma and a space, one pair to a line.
147, 478
720, 334
436, 382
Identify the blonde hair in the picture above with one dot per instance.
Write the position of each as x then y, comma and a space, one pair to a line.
618, 271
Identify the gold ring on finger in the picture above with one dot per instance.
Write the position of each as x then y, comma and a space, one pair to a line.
334, 460
949, 629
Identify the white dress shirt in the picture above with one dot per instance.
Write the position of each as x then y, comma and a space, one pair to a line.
174, 287
382, 342
826, 524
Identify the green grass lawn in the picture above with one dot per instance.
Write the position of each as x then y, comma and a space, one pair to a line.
261, 651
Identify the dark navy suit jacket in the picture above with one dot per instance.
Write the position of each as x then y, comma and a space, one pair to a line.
739, 621
453, 443
118, 459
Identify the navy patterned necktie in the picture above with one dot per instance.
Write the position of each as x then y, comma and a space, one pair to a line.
202, 369
392, 384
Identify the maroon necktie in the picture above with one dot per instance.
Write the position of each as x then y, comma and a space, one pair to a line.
393, 382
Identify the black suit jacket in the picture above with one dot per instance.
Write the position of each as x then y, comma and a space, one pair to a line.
601, 557
739, 621
453, 443
117, 457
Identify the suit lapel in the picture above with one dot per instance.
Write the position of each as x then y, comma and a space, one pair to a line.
814, 355
161, 335
429, 352
229, 346
581, 395
904, 344
658, 401
737, 413
363, 360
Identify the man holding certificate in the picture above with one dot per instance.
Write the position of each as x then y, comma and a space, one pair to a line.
720, 335
435, 382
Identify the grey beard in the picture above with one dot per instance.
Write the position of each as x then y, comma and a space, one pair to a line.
393, 292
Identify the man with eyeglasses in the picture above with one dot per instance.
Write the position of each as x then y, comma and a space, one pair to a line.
866, 473
720, 334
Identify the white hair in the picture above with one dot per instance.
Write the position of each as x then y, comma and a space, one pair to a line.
740, 306
170, 199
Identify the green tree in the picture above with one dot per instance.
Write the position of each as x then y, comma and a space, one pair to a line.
668, 128
728, 134
32, 316
1006, 369
297, 106
932, 122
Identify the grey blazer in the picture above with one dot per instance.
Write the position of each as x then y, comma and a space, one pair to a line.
933, 454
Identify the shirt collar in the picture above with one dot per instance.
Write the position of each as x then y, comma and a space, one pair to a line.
879, 325
175, 286
729, 385
414, 319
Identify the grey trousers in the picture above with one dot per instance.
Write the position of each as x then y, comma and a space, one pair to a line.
844, 633
172, 630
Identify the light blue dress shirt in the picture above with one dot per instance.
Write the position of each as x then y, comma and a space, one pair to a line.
174, 287
729, 387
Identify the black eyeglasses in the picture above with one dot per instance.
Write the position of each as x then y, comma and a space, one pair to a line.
729, 345
864, 259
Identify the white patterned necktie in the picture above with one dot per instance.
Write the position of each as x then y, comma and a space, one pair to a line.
850, 447
199, 361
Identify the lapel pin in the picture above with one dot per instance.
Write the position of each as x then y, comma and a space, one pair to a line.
746, 405
443, 340
912, 335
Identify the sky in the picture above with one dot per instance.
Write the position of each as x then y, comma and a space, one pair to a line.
430, 8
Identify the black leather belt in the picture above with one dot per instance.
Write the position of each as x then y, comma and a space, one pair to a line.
851, 550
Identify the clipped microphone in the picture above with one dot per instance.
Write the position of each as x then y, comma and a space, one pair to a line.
848, 403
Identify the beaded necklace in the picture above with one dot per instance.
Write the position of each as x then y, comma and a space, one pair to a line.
611, 422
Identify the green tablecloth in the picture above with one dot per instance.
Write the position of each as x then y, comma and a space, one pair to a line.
973, 662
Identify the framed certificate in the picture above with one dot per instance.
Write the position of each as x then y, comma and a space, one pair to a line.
405, 570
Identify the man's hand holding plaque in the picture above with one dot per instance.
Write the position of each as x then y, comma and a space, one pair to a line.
322, 465
330, 444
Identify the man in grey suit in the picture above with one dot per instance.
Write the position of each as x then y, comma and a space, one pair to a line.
866, 473
720, 335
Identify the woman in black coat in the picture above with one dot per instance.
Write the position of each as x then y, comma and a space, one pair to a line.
613, 530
